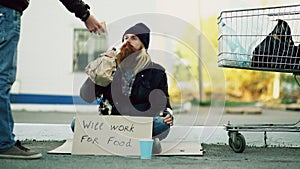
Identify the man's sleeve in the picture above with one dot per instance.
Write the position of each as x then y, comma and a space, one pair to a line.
78, 7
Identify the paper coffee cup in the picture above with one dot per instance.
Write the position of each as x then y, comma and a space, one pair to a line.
146, 148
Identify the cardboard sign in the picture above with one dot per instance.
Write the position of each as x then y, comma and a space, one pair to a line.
110, 135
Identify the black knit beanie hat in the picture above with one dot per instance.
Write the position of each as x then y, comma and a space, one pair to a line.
141, 31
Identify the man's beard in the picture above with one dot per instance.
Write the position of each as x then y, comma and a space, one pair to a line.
126, 50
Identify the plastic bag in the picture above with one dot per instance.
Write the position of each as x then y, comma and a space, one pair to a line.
101, 70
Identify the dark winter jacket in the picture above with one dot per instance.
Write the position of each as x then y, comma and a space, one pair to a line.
75, 6
19, 5
145, 100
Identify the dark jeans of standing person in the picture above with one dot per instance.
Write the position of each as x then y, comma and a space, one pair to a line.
10, 20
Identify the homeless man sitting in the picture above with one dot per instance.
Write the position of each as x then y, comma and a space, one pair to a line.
139, 86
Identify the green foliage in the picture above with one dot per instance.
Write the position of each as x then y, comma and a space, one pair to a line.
289, 89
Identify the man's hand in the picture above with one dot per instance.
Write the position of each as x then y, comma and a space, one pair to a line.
110, 53
167, 118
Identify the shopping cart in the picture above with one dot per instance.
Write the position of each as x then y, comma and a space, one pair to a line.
264, 39
237, 141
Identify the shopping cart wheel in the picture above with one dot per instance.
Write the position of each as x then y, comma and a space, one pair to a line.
239, 144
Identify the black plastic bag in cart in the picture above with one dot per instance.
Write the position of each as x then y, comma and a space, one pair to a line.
277, 50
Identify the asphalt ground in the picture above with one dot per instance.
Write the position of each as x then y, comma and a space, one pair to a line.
215, 157
197, 115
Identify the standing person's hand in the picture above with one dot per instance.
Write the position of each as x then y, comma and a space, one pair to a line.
94, 26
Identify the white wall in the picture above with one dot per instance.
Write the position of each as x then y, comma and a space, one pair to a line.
45, 53
45, 49
46, 45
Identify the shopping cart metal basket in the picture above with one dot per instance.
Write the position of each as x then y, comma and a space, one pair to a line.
265, 39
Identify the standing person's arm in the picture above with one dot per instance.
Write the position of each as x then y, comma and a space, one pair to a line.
81, 10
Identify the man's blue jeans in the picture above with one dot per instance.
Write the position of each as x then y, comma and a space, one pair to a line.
160, 128
9, 38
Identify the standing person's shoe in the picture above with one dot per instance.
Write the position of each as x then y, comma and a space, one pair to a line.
19, 152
